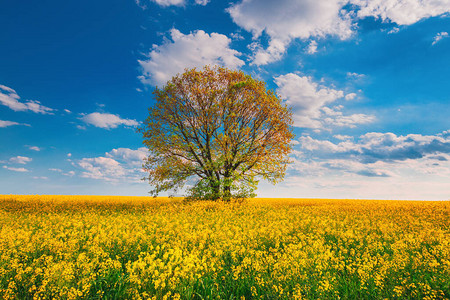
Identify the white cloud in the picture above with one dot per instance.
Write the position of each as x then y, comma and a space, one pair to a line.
342, 137
20, 160
354, 75
16, 169
356, 167
419, 179
375, 146
353, 186
285, 20
375, 165
143, 3
350, 96
440, 36
34, 148
312, 47
129, 156
308, 100
40, 177
69, 173
305, 97
121, 164
10, 98
164, 3
195, 49
202, 2
7, 89
107, 121
334, 117
324, 146
274, 52
402, 12
169, 2
237, 36
104, 168
394, 30
4, 124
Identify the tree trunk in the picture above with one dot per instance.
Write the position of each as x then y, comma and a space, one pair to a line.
226, 193
215, 188
226, 188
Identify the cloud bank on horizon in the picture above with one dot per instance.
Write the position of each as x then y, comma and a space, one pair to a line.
366, 81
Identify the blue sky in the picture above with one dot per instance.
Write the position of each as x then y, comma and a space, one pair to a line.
367, 81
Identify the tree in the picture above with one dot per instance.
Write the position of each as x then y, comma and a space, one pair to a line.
218, 129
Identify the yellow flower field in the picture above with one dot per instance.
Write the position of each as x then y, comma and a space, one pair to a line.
93, 247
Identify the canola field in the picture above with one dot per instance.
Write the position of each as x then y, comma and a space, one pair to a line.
92, 247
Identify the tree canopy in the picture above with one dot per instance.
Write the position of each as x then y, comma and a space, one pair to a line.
219, 132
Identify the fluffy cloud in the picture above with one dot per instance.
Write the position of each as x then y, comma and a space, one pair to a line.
305, 97
10, 98
195, 49
308, 99
374, 146
107, 121
34, 148
202, 2
401, 12
375, 165
411, 179
312, 47
104, 168
16, 169
129, 156
20, 160
169, 2
439, 36
355, 76
122, 164
285, 20
341, 137
350, 96
334, 117
355, 167
4, 124
143, 3
69, 173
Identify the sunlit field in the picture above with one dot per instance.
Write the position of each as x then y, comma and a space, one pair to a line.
88, 247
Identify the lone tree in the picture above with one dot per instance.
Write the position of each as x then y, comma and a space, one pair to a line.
218, 130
